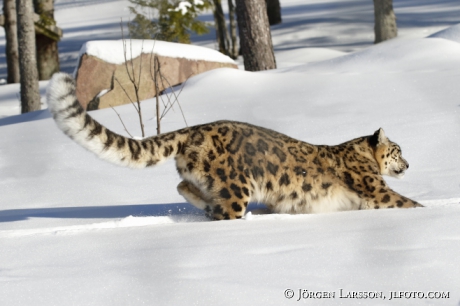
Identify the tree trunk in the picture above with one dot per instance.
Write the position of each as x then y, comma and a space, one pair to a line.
273, 11
385, 20
11, 35
231, 15
47, 43
47, 57
255, 36
221, 27
30, 95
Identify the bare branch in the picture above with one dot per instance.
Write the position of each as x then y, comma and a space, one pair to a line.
132, 102
140, 65
133, 80
133, 77
171, 104
152, 76
156, 67
180, 107
124, 50
121, 121
152, 56
177, 100
157, 76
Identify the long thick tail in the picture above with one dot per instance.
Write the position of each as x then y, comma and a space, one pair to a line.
73, 120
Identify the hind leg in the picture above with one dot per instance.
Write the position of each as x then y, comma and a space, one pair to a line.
230, 200
217, 206
229, 209
194, 196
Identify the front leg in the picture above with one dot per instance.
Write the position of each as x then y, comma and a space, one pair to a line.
387, 198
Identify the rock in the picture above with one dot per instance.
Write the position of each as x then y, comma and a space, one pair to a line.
102, 84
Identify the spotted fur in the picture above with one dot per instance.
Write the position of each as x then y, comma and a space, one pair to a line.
225, 164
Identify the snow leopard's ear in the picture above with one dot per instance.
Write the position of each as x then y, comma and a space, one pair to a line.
378, 138
381, 136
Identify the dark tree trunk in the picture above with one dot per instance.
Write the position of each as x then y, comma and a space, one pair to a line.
47, 42
385, 20
231, 14
221, 28
30, 95
47, 57
273, 11
11, 35
255, 36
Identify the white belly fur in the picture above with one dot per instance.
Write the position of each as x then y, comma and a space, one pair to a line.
336, 199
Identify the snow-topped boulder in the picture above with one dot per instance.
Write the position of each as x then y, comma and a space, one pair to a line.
103, 81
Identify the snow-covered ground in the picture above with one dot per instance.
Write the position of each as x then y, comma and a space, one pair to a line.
77, 231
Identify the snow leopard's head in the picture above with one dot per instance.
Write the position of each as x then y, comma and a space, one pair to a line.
388, 155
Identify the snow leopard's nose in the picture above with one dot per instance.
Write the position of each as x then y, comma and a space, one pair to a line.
407, 165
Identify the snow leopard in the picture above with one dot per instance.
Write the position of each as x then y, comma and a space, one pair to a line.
225, 165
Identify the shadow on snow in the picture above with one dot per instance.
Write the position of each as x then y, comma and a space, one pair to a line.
109, 212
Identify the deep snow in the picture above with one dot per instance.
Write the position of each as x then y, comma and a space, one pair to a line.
78, 231
117, 51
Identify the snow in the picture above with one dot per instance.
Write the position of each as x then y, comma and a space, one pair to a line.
389, 56
116, 52
451, 33
183, 7
10, 97
78, 231
295, 57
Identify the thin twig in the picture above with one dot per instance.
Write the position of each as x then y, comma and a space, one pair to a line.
121, 121
180, 106
139, 85
132, 78
177, 100
140, 64
182, 87
169, 104
156, 67
124, 50
170, 86
132, 63
151, 55
168, 96
162, 77
132, 102
154, 79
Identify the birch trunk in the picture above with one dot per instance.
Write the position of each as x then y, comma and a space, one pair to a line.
30, 95
385, 20
255, 36
11, 35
